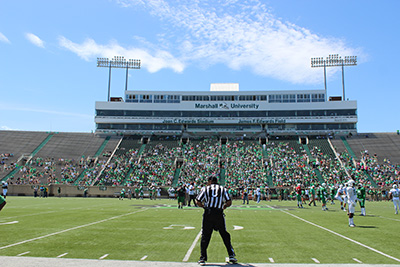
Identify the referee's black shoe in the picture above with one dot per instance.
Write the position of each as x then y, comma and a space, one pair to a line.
201, 262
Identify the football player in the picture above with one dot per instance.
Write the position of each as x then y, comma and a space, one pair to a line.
298, 196
394, 194
351, 200
322, 196
361, 198
339, 194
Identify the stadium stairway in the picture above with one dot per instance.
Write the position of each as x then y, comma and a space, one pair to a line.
142, 148
373, 183
97, 154
176, 177
346, 144
178, 169
42, 144
317, 172
101, 148
34, 152
270, 182
351, 152
222, 170
222, 174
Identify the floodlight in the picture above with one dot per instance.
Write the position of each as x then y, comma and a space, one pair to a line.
334, 60
118, 62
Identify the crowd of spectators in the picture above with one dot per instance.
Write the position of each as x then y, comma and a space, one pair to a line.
115, 171
49, 170
156, 166
384, 174
288, 167
200, 160
5, 164
244, 164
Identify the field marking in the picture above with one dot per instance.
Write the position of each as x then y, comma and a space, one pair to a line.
357, 260
104, 256
73, 228
50, 211
32, 214
271, 260
62, 255
397, 220
183, 227
9, 223
237, 227
344, 237
24, 253
189, 252
143, 258
315, 260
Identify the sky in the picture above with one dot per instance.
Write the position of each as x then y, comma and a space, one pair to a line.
49, 80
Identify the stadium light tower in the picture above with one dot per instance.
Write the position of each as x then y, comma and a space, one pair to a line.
118, 62
334, 61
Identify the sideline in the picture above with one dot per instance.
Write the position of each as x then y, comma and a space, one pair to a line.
73, 228
189, 252
65, 262
342, 236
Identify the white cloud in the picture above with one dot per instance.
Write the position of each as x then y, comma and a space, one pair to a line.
153, 61
243, 34
4, 39
6, 128
34, 40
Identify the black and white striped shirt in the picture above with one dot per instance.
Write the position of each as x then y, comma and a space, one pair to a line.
213, 196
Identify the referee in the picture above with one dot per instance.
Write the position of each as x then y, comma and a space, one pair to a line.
214, 199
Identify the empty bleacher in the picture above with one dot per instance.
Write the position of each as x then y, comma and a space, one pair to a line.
385, 145
71, 146
20, 143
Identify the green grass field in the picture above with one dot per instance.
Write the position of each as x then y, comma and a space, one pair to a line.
278, 232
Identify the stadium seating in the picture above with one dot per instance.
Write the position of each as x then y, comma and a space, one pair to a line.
86, 160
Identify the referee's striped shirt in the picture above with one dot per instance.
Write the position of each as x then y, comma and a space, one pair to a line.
213, 196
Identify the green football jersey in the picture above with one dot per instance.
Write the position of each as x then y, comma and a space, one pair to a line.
361, 193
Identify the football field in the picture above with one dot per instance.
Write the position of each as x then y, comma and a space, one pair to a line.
145, 230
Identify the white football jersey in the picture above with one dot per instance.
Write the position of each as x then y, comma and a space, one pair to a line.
351, 194
395, 192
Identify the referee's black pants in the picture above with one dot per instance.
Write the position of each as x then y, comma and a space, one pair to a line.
214, 219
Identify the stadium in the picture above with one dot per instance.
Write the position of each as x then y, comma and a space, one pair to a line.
152, 142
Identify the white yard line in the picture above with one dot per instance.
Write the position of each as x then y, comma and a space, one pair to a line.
103, 257
315, 260
357, 260
271, 260
143, 258
189, 252
22, 254
71, 229
344, 237
62, 255
9, 223
397, 220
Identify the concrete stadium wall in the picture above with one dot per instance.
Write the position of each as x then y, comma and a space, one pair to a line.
72, 191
